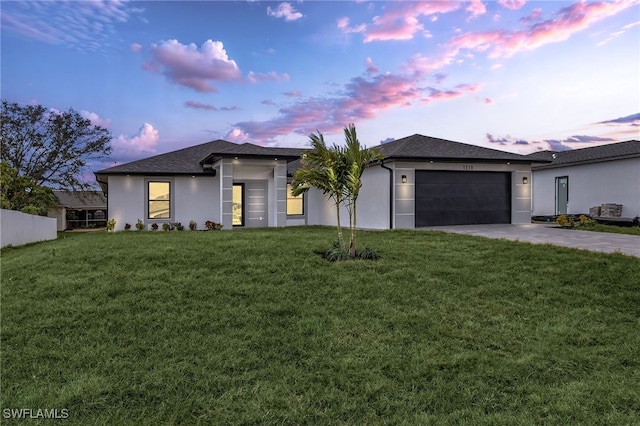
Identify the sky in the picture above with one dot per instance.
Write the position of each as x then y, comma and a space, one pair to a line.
516, 75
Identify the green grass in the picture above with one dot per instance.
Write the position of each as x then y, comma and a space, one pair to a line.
597, 227
252, 326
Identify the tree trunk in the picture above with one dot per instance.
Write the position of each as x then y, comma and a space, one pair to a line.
352, 241
340, 237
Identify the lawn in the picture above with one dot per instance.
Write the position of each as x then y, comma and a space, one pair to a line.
253, 326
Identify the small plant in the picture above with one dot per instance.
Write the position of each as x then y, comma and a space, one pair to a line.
139, 225
127, 226
179, 226
166, 226
154, 226
368, 254
213, 226
193, 225
562, 220
585, 221
111, 224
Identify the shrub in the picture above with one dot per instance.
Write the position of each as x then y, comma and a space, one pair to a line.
111, 224
562, 220
585, 221
368, 254
213, 226
166, 226
154, 226
179, 226
127, 226
193, 225
139, 225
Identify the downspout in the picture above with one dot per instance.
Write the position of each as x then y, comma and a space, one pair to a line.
390, 193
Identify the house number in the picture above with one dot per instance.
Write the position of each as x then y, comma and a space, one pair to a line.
467, 167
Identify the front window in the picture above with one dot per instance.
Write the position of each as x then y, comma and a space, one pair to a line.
295, 203
159, 200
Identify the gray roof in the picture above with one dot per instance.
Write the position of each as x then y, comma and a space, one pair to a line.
183, 161
419, 147
594, 154
81, 199
189, 161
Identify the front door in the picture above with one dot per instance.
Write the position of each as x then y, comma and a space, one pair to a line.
562, 194
250, 203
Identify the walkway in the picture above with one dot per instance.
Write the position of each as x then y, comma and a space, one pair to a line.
549, 234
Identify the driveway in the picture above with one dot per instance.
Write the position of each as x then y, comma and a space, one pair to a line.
549, 234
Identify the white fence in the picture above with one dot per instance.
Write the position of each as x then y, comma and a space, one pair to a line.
18, 228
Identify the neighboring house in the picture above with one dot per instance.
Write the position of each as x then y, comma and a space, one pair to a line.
578, 179
79, 209
422, 181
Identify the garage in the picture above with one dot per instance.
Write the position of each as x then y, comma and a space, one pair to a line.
462, 198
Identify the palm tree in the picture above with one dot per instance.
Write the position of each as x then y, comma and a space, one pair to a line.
355, 159
322, 168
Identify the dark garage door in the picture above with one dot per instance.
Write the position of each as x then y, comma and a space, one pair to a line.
462, 198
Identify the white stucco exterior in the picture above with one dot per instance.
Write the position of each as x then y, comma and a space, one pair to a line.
200, 198
590, 185
373, 202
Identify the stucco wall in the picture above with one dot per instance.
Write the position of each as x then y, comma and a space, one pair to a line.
372, 208
590, 185
17, 228
194, 198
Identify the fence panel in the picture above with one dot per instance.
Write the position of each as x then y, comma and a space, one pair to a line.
17, 228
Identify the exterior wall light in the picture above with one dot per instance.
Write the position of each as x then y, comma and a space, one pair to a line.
404, 178
525, 180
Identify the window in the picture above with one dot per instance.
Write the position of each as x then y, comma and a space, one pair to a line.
159, 201
295, 203
238, 204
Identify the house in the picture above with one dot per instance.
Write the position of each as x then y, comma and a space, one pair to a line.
576, 180
79, 209
421, 181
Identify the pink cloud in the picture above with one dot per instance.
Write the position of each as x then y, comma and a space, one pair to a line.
570, 20
371, 67
400, 21
488, 101
95, 119
295, 94
199, 105
343, 24
236, 135
208, 107
534, 16
476, 8
512, 4
361, 99
255, 77
135, 47
192, 66
460, 90
286, 11
268, 102
143, 144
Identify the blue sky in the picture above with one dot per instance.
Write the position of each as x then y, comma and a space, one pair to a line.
515, 75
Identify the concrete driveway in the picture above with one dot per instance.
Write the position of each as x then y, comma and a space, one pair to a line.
550, 234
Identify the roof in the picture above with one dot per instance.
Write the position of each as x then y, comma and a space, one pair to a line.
419, 147
80, 199
189, 161
594, 154
249, 150
182, 161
